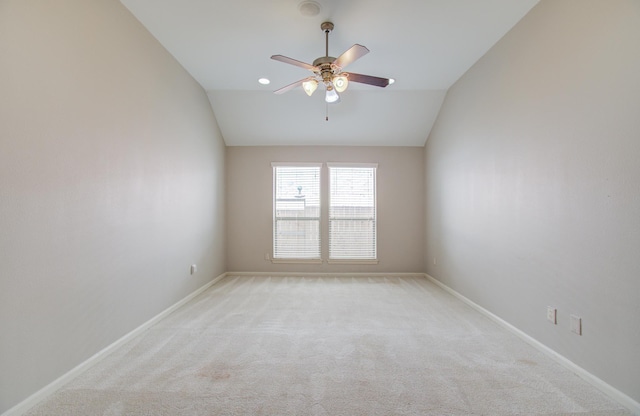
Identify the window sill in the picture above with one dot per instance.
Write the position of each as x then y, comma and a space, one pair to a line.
320, 261
352, 261
296, 261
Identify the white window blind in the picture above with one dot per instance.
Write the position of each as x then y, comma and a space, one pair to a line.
352, 212
296, 211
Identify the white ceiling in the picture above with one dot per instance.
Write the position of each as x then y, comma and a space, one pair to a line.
426, 45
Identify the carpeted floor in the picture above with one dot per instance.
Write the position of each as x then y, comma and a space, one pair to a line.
327, 346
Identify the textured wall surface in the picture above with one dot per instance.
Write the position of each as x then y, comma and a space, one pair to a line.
399, 196
111, 185
533, 183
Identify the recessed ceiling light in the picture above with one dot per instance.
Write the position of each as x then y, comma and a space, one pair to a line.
309, 8
264, 81
391, 81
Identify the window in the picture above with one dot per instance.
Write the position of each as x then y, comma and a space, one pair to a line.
352, 211
296, 211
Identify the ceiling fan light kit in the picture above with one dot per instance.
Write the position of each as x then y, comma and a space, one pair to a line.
328, 71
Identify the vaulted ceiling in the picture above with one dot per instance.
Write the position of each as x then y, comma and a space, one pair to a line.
425, 45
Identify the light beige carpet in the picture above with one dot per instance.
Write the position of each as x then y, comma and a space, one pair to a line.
327, 346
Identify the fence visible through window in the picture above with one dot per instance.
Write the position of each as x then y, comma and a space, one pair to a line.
352, 212
296, 211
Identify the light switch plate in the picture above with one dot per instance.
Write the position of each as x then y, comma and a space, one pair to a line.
552, 315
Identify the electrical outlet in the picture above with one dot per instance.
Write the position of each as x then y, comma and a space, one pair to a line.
266, 256
552, 315
576, 324
194, 269
435, 261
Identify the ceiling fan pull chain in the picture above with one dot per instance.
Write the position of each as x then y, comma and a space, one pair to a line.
326, 118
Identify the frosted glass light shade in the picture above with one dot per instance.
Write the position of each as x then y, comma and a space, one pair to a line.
310, 86
331, 96
340, 83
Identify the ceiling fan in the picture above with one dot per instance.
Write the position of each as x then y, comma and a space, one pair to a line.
327, 70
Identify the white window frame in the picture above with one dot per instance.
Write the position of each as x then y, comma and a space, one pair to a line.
276, 257
356, 260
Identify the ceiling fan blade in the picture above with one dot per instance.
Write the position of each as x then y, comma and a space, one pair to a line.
292, 61
350, 55
291, 86
368, 79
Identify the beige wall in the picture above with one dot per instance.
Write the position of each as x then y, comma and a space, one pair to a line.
111, 185
399, 195
533, 183
112, 182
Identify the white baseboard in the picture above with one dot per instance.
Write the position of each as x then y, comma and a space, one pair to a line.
607, 389
324, 274
49, 389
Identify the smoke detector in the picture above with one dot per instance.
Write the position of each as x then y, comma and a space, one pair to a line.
309, 8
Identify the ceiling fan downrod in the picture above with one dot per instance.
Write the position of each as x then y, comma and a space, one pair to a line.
326, 27
324, 63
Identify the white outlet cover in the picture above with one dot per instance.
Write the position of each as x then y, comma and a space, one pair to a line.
576, 324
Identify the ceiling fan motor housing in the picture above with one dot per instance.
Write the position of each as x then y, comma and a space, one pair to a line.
326, 69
